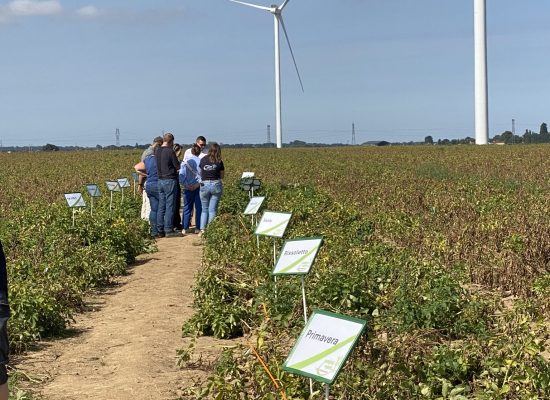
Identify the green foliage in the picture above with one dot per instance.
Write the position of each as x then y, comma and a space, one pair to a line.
402, 250
51, 263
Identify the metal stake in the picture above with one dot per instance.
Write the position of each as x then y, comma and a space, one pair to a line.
305, 321
274, 253
304, 298
274, 262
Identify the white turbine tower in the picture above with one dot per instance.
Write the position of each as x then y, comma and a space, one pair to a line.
480, 39
278, 20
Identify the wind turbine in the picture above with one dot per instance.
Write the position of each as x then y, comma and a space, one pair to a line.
480, 50
278, 21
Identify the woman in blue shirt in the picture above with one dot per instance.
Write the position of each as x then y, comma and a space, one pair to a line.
190, 181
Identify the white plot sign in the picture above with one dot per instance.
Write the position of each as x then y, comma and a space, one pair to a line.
254, 205
247, 175
273, 224
324, 346
113, 186
93, 190
75, 200
123, 182
297, 256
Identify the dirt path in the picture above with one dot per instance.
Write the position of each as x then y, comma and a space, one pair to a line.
126, 347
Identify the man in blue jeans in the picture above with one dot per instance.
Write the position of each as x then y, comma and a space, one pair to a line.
4, 315
167, 169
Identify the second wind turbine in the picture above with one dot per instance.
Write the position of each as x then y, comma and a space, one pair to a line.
278, 21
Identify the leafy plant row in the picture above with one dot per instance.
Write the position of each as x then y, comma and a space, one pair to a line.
430, 332
51, 263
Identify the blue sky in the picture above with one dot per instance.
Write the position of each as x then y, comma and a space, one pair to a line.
71, 72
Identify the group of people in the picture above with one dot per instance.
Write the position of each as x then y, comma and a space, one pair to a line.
164, 174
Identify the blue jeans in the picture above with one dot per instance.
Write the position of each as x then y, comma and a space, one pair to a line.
210, 193
191, 198
177, 215
153, 194
167, 204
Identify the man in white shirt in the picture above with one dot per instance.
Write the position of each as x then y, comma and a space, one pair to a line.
201, 142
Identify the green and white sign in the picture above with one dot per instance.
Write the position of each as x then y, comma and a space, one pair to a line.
254, 205
273, 224
324, 346
75, 200
297, 256
113, 186
247, 174
93, 190
123, 182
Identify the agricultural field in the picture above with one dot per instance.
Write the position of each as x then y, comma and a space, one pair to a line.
444, 252
51, 263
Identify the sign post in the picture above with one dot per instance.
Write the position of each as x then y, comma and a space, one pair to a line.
123, 183
273, 224
249, 183
74, 201
112, 186
256, 184
324, 347
253, 206
93, 191
296, 258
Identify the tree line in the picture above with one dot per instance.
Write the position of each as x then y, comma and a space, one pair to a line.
506, 137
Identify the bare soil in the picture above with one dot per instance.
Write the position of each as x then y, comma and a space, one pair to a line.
125, 346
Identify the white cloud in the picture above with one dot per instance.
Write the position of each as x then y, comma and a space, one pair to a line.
15, 9
26, 8
88, 12
23, 8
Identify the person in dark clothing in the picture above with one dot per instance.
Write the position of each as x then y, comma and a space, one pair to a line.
168, 167
177, 216
212, 172
4, 315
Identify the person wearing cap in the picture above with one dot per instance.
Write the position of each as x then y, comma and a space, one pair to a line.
201, 142
4, 316
151, 149
145, 204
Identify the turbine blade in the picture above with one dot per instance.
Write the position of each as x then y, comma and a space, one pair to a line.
283, 5
252, 5
280, 18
